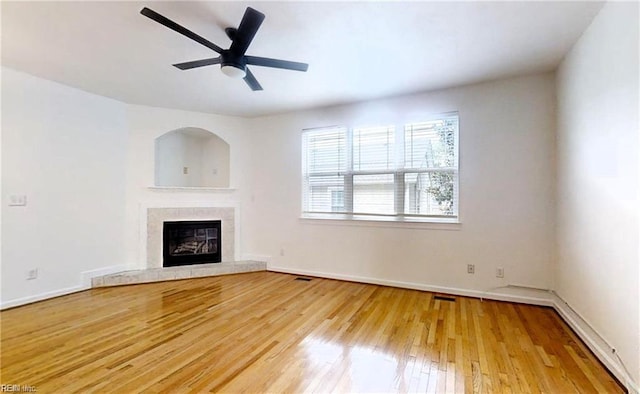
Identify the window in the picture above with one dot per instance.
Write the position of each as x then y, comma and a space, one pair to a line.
397, 172
337, 200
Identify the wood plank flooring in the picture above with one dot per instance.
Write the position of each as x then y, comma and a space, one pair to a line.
267, 332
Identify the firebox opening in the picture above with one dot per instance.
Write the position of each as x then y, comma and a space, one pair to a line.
192, 242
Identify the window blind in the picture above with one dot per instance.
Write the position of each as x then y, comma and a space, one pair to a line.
378, 171
324, 166
373, 148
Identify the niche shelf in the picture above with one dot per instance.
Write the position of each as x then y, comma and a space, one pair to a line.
192, 159
193, 189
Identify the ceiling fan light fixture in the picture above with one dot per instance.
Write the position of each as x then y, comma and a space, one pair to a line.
233, 61
233, 72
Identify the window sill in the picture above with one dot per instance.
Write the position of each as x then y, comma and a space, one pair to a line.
383, 221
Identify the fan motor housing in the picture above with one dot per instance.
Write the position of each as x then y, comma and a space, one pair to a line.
230, 59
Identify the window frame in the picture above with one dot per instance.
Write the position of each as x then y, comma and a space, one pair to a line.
398, 171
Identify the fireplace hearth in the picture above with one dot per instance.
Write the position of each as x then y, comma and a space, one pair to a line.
191, 242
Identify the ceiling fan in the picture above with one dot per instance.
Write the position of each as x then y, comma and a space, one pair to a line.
233, 61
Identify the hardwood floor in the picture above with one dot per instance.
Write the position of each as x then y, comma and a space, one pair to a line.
267, 332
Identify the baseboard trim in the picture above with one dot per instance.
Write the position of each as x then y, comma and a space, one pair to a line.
542, 300
546, 298
594, 341
85, 284
256, 257
41, 297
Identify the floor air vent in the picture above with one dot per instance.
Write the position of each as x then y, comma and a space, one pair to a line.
442, 298
303, 279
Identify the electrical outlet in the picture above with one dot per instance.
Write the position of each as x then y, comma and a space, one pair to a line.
32, 274
17, 200
282, 252
499, 272
185, 170
471, 269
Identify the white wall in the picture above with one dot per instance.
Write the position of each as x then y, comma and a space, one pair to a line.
506, 193
61, 135
173, 152
86, 163
64, 149
215, 162
148, 123
597, 192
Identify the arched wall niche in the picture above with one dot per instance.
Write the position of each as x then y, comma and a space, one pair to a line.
191, 157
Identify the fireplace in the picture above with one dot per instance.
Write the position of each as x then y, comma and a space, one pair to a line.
191, 242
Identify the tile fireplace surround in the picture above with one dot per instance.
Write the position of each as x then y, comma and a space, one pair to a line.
154, 270
157, 216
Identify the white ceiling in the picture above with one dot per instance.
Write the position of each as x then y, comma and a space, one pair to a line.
356, 50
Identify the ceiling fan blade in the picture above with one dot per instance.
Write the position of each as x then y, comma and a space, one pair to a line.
276, 63
252, 81
151, 14
198, 63
249, 25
